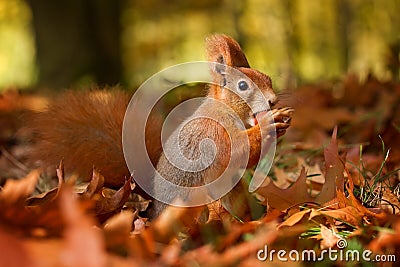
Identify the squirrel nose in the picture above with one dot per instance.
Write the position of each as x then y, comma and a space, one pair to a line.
272, 102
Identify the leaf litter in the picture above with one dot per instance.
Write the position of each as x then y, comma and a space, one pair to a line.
335, 176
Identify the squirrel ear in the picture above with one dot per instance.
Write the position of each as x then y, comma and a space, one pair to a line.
225, 50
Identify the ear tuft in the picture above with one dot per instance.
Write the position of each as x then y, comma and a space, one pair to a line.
225, 50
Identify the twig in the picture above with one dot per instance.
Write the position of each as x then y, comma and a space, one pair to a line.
13, 160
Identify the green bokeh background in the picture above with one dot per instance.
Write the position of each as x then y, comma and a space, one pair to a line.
50, 43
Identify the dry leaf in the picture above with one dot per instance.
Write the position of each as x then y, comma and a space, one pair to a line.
172, 221
334, 178
348, 215
95, 185
106, 205
390, 203
117, 230
386, 238
84, 245
296, 218
284, 198
50, 195
171, 254
298, 192
329, 237
15, 191
13, 252
205, 256
356, 203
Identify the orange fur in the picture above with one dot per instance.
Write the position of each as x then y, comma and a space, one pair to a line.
84, 129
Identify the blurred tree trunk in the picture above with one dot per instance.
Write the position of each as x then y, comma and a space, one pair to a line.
77, 39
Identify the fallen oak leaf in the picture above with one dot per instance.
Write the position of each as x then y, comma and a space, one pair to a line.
95, 185
386, 238
235, 231
137, 202
329, 237
142, 246
17, 190
117, 231
282, 199
334, 167
342, 200
106, 206
296, 218
298, 192
84, 245
47, 252
140, 224
266, 234
42, 198
171, 254
13, 252
27, 220
120, 223
351, 206
390, 202
356, 203
50, 195
12, 100
349, 215
172, 221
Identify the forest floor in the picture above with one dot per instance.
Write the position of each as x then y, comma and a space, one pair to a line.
334, 200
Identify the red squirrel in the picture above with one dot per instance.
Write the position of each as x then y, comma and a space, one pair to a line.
84, 128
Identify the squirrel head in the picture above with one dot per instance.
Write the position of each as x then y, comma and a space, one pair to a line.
250, 93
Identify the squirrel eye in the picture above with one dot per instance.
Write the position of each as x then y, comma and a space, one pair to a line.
242, 85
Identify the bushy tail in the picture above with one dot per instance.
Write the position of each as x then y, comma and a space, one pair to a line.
84, 129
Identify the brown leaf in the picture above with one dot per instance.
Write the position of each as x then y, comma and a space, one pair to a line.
334, 168
13, 253
284, 198
84, 245
296, 218
50, 195
298, 192
356, 203
18, 190
386, 238
95, 185
329, 237
172, 221
171, 254
266, 234
117, 231
106, 206
140, 224
390, 203
120, 223
12, 100
27, 220
107, 201
348, 215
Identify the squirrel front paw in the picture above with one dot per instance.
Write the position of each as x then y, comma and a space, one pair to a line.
281, 117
